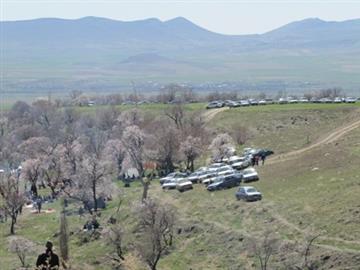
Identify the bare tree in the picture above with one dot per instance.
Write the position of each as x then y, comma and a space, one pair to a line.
222, 146
264, 248
309, 241
115, 152
191, 149
176, 113
31, 171
21, 247
165, 142
130, 118
156, 228
13, 198
115, 237
134, 142
240, 134
91, 182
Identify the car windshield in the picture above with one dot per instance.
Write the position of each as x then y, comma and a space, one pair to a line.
251, 190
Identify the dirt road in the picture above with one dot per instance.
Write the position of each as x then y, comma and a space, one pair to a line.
329, 138
210, 114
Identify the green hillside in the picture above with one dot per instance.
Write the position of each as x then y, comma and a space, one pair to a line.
315, 192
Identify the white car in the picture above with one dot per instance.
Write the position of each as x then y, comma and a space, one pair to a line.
203, 177
240, 163
210, 180
224, 170
170, 183
262, 102
248, 193
184, 185
338, 100
350, 100
173, 176
250, 174
213, 167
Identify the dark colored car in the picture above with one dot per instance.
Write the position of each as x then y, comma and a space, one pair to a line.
248, 193
227, 181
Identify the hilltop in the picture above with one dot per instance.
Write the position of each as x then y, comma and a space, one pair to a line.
87, 53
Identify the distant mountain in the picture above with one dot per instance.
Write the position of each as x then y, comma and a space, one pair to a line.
52, 53
316, 33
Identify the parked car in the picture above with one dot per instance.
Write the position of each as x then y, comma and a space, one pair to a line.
173, 176
239, 163
233, 104
195, 176
244, 103
293, 101
283, 101
253, 102
304, 100
205, 176
262, 102
338, 100
269, 101
227, 181
202, 169
248, 193
183, 185
213, 167
214, 105
224, 170
210, 180
170, 184
325, 100
250, 174
350, 100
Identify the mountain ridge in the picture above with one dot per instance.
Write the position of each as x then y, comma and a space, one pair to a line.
47, 52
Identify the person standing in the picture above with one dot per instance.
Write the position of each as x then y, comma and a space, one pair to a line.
48, 260
38, 204
263, 157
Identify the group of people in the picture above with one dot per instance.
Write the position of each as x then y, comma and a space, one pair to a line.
256, 158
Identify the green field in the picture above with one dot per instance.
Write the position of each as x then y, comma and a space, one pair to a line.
318, 191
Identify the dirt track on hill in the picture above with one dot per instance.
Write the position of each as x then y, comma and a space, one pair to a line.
326, 139
210, 114
329, 138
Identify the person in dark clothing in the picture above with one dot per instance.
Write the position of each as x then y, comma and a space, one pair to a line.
48, 260
39, 204
263, 157
257, 160
253, 161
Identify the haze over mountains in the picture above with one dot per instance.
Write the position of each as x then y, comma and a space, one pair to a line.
106, 55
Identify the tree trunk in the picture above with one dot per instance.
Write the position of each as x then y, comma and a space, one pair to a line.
12, 226
94, 196
34, 189
145, 189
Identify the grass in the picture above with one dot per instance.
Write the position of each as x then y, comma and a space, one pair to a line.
318, 190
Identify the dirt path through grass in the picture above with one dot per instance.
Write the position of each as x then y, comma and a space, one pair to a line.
210, 114
333, 136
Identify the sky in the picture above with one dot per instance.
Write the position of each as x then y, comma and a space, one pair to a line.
227, 16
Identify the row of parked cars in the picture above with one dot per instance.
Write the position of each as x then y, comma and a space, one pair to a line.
220, 175
288, 100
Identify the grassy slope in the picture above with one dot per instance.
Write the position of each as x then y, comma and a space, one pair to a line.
295, 196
